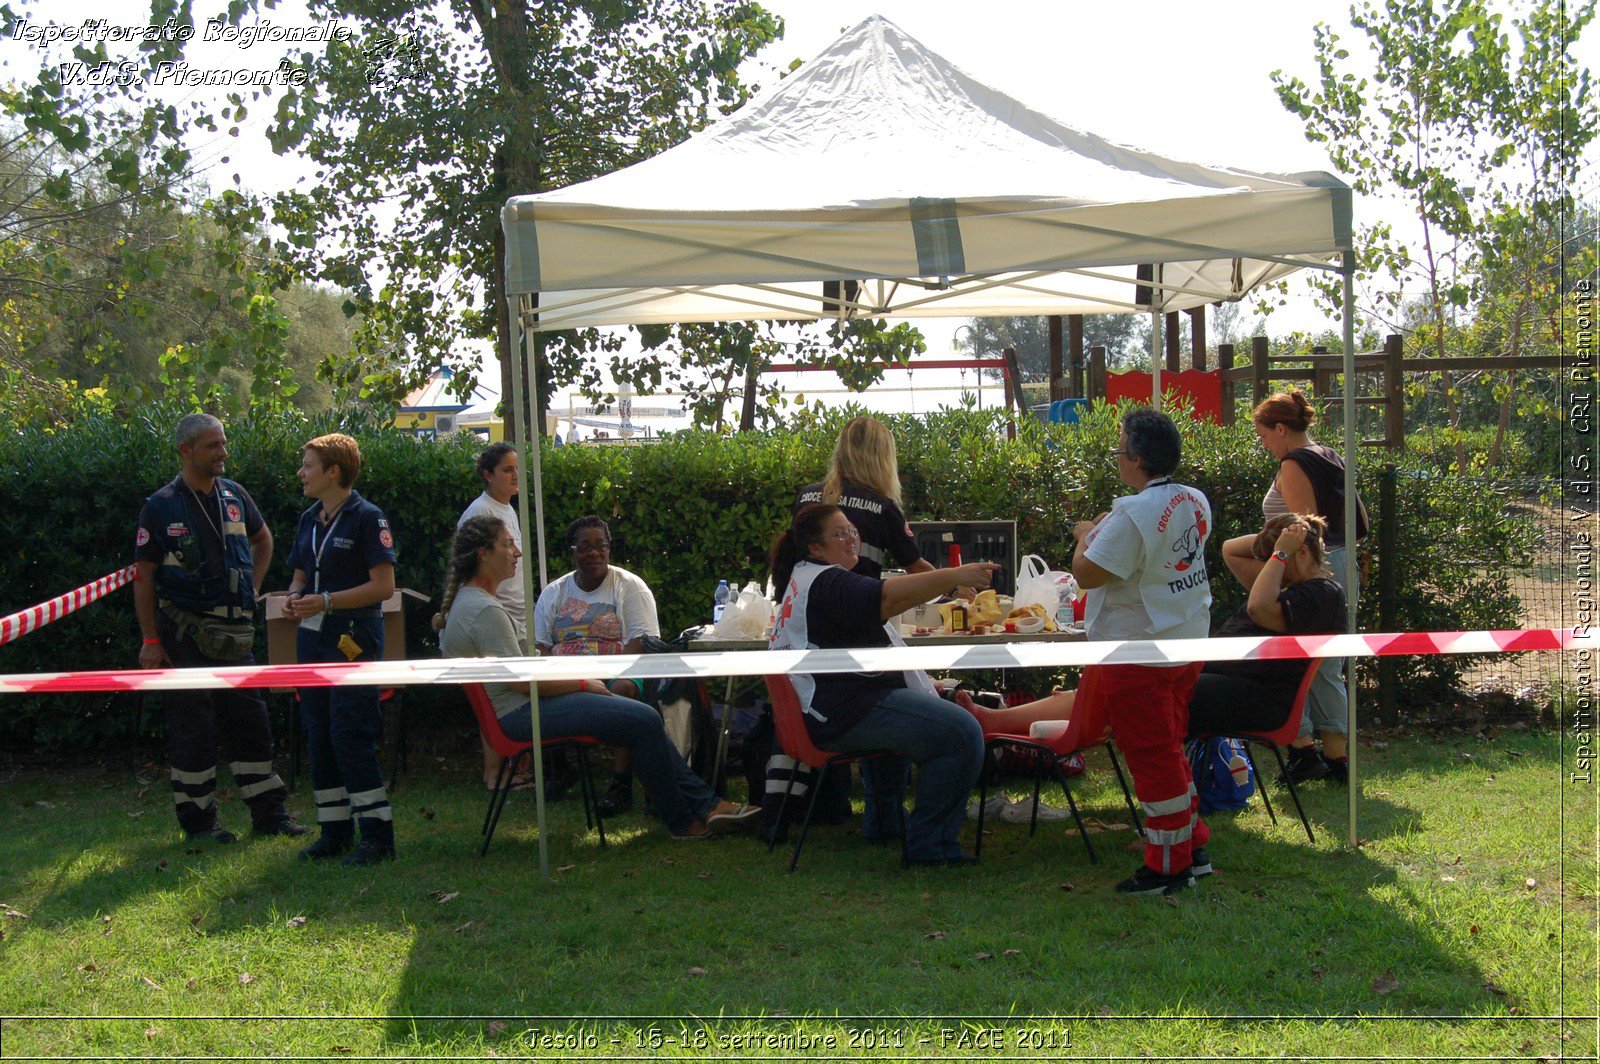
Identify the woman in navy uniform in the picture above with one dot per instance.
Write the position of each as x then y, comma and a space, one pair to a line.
343, 561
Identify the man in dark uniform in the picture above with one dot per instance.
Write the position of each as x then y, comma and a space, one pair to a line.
202, 550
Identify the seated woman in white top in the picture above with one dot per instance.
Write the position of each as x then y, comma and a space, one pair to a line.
475, 624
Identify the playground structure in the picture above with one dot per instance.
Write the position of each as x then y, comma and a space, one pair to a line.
1380, 374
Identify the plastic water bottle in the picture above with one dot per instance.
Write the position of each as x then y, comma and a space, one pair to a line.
1239, 768
719, 600
1066, 596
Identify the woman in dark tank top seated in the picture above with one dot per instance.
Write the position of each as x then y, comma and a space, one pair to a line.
1291, 593
1310, 480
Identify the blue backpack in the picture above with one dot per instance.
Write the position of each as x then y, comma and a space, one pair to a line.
1222, 774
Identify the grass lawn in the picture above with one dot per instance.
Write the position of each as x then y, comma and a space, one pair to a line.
1465, 926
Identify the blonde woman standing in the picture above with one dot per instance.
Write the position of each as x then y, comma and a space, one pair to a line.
864, 481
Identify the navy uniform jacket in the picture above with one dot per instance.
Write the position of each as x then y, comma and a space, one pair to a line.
201, 546
358, 539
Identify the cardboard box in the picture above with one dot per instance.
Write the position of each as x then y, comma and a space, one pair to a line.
281, 629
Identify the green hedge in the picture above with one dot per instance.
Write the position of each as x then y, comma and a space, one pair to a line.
684, 512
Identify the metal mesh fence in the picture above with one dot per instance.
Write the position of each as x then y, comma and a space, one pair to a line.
1543, 584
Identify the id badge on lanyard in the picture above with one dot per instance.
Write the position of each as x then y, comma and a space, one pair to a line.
314, 622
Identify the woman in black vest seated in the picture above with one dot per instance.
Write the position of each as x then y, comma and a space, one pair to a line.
826, 604
1291, 593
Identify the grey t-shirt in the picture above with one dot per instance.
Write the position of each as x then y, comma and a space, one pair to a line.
478, 626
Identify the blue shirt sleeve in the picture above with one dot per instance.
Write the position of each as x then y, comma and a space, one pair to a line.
297, 558
377, 540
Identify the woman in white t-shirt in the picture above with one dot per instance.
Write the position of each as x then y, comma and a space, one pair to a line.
497, 467
1144, 566
598, 608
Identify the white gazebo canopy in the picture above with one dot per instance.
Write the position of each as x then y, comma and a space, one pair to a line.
882, 163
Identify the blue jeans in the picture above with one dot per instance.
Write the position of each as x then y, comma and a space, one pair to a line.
679, 795
946, 744
1327, 705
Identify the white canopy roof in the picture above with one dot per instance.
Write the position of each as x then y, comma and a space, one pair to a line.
880, 161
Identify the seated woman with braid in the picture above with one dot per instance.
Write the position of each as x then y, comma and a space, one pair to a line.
475, 624
1291, 593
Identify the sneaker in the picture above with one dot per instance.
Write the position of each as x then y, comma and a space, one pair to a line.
215, 833
327, 845
1338, 770
368, 853
995, 805
617, 800
1146, 881
1200, 865
1022, 813
282, 824
1305, 764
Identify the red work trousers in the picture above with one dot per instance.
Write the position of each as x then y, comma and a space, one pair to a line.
1149, 711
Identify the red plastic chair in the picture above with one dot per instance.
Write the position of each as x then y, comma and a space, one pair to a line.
1088, 726
788, 721
510, 750
1277, 739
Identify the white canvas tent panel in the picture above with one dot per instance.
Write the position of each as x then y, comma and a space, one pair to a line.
880, 159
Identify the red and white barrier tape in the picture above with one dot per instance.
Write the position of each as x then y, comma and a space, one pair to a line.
761, 662
24, 621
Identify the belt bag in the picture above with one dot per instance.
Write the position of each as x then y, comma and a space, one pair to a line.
217, 639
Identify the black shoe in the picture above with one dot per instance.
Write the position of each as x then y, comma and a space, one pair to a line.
963, 860
369, 853
282, 824
1338, 770
327, 845
1201, 866
558, 782
215, 833
1146, 881
616, 801
1305, 764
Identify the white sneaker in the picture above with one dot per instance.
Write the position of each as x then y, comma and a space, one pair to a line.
996, 805
1022, 812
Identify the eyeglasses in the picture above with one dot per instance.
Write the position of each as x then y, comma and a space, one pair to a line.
591, 548
845, 535
1118, 452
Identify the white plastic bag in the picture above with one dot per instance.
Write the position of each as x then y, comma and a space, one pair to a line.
746, 617
1036, 585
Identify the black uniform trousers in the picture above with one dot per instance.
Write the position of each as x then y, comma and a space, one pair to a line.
194, 720
343, 725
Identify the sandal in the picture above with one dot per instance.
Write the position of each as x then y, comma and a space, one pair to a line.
702, 835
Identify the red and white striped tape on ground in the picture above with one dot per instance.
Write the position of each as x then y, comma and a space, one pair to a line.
24, 621
761, 662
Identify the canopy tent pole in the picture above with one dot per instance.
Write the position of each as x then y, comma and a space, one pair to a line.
527, 447
1351, 570
1155, 357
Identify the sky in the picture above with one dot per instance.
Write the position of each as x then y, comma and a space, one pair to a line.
1190, 81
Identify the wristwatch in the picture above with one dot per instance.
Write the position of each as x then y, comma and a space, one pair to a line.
1282, 556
